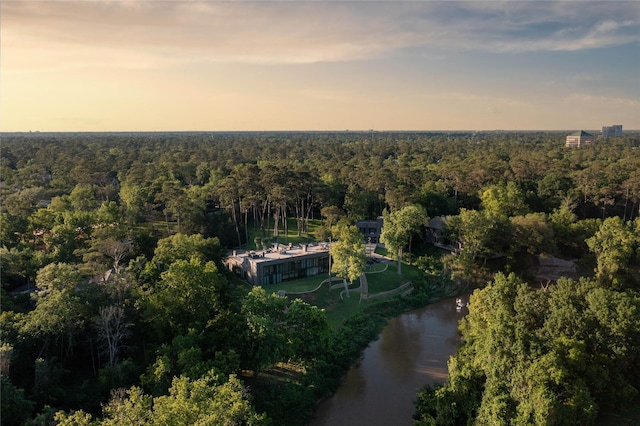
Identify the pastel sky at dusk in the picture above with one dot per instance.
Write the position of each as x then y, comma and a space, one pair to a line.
318, 65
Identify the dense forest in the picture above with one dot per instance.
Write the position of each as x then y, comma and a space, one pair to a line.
117, 306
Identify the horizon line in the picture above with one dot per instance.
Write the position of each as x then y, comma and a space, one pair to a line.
311, 131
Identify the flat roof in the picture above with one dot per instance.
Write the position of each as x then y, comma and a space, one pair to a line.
282, 253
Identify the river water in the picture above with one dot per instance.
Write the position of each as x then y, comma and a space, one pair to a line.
410, 352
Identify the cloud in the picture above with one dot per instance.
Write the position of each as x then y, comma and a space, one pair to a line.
609, 101
470, 97
514, 27
576, 78
141, 34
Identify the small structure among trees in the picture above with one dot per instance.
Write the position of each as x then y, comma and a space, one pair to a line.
370, 229
399, 228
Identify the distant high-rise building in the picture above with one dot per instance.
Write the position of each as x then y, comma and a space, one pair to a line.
579, 139
609, 131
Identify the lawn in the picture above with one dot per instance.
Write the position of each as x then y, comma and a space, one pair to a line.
290, 237
339, 308
297, 286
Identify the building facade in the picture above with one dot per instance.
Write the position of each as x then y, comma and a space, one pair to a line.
281, 263
579, 139
370, 230
612, 131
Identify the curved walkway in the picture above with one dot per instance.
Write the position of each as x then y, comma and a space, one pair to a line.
328, 280
363, 289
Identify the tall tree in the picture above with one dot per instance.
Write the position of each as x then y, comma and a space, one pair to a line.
504, 200
185, 247
400, 226
133, 199
532, 233
112, 329
173, 201
60, 313
83, 197
187, 297
480, 234
331, 214
308, 330
613, 244
264, 339
348, 252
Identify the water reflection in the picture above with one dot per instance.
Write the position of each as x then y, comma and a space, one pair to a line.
411, 351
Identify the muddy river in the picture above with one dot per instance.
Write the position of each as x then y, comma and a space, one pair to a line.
411, 351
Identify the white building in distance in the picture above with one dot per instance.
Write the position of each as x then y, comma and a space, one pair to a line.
579, 139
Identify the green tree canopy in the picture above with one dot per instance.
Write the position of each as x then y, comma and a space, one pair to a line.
614, 244
504, 200
187, 296
308, 330
61, 310
481, 235
264, 340
540, 357
183, 247
204, 401
347, 252
533, 234
400, 226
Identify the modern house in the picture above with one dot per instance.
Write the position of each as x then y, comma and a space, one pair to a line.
370, 229
579, 139
435, 230
436, 235
280, 263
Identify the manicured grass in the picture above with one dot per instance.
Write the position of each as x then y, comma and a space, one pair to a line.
389, 279
385, 281
410, 272
377, 267
290, 237
337, 308
381, 251
346, 309
296, 286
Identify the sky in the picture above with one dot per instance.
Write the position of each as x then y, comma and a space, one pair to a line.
133, 65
